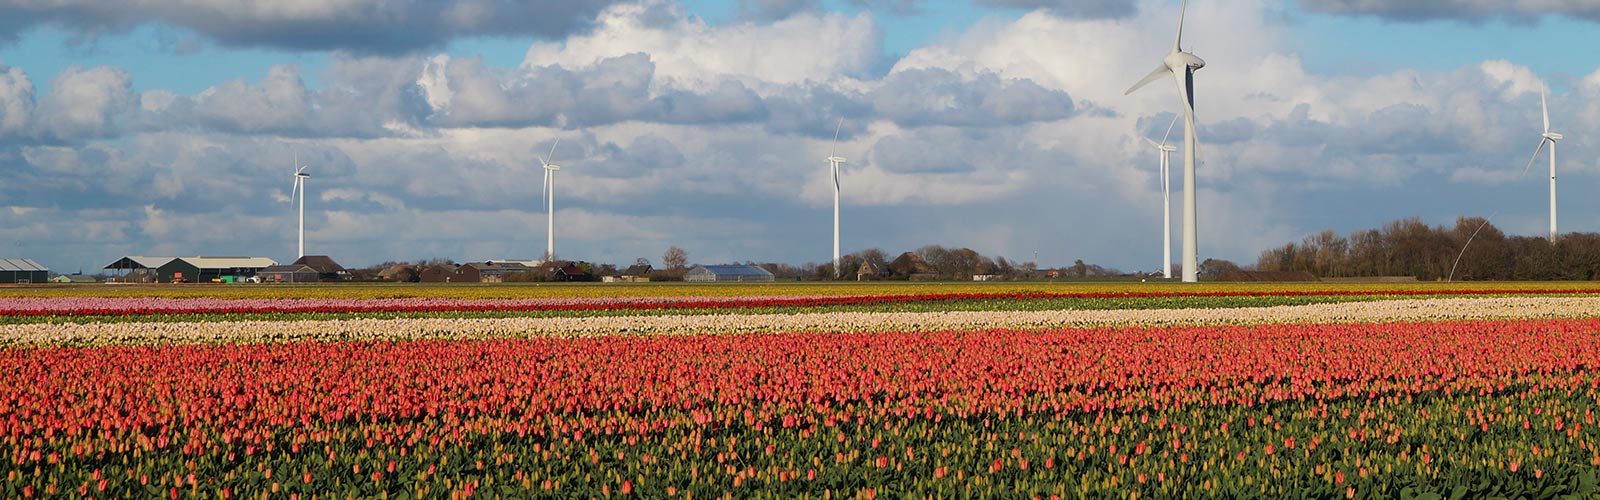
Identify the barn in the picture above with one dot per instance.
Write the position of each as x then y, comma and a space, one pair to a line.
136, 268
206, 269
738, 274
23, 271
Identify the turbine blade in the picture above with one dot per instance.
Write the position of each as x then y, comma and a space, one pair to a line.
295, 190
1169, 130
1152, 142
1159, 72
1178, 40
552, 156
1535, 158
835, 151
544, 193
836, 177
1544, 106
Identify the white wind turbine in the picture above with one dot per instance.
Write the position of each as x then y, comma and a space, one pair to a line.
1166, 198
835, 160
1550, 138
300, 177
550, 200
1182, 65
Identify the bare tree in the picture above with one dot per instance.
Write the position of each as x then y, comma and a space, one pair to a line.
675, 258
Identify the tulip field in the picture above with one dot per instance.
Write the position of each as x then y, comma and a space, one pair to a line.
805, 391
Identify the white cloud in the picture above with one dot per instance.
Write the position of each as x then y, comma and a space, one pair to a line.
689, 52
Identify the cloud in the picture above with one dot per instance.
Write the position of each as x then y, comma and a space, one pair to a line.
687, 50
924, 97
16, 101
772, 10
362, 26
1458, 10
85, 103
1071, 8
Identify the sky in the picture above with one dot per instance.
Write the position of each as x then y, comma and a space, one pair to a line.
171, 127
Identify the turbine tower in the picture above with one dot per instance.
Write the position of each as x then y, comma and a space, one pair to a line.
550, 200
1166, 198
835, 160
300, 177
1551, 138
1182, 66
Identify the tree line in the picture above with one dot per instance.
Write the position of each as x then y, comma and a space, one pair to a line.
1472, 249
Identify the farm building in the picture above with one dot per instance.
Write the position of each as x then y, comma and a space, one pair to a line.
73, 278
727, 273
574, 272
289, 273
402, 273
327, 269
487, 272
137, 268
206, 269
439, 273
23, 271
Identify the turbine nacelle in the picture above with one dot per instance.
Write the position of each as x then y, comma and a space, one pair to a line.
835, 159
1554, 136
552, 167
1176, 61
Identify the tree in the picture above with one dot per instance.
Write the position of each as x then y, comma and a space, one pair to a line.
1212, 268
675, 258
641, 261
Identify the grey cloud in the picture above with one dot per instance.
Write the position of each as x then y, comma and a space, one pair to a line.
360, 97
366, 26
1071, 8
278, 103
16, 101
84, 104
1459, 10
901, 154
815, 110
771, 10
928, 97
614, 90
895, 7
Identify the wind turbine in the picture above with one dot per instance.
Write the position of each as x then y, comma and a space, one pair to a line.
1551, 138
550, 199
300, 177
1182, 65
835, 160
1166, 198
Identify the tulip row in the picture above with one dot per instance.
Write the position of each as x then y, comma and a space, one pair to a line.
1472, 408
13, 308
251, 331
110, 310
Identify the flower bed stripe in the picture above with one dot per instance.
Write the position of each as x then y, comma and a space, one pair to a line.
456, 328
1475, 409
102, 306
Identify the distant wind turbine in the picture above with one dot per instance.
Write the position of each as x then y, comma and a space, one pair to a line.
1166, 198
300, 177
1182, 66
550, 199
835, 160
1550, 138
